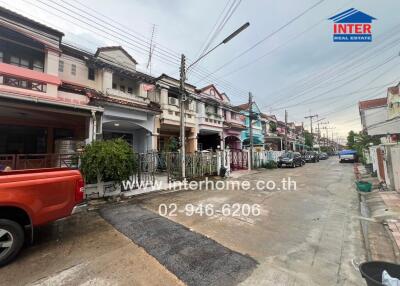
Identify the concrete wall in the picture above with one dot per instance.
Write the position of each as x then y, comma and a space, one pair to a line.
81, 76
393, 105
374, 116
118, 58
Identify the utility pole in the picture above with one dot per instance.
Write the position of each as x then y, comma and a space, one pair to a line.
302, 135
286, 130
182, 99
251, 128
311, 119
182, 90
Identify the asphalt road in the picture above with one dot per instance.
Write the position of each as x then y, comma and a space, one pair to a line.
307, 236
192, 257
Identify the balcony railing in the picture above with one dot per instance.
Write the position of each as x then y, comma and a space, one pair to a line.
22, 83
125, 95
37, 161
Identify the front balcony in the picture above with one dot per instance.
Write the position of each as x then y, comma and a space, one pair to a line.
172, 116
125, 95
27, 82
23, 83
211, 119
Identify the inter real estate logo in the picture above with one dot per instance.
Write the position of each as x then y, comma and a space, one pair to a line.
352, 26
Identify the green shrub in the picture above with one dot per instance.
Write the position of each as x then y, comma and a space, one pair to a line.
111, 160
271, 165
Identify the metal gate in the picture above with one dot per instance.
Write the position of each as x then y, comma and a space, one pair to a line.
381, 170
145, 171
239, 159
198, 165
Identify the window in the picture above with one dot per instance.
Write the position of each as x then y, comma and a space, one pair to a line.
122, 88
1, 56
61, 66
73, 69
91, 73
130, 90
18, 61
38, 65
114, 85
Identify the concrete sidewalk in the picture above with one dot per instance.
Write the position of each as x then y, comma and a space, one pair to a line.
381, 219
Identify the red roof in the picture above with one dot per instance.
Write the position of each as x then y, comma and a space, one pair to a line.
244, 106
372, 103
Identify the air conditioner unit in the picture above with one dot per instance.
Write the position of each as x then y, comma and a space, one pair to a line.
172, 101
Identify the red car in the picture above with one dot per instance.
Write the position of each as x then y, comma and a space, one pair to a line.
29, 198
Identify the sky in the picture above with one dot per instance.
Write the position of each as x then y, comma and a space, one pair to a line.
298, 67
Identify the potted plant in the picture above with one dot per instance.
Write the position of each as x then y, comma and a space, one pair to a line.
105, 164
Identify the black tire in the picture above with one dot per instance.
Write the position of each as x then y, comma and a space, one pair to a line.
16, 232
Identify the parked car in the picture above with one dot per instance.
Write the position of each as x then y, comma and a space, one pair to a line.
30, 198
311, 156
323, 156
348, 156
290, 159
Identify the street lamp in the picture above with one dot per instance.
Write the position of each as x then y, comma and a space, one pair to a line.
183, 71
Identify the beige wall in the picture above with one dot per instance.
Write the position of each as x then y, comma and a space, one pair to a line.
81, 76
393, 105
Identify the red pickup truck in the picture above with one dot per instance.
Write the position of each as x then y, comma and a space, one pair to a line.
29, 198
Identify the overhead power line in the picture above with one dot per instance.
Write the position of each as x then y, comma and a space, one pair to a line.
344, 68
338, 69
270, 52
262, 40
219, 25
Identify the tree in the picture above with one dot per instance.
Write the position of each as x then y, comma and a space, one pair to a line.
363, 140
308, 139
171, 145
272, 126
351, 139
109, 160
360, 141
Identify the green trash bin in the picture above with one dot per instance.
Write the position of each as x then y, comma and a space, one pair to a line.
363, 186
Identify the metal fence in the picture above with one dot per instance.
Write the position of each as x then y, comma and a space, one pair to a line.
260, 158
197, 165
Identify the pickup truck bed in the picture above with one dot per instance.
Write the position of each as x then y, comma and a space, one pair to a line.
30, 198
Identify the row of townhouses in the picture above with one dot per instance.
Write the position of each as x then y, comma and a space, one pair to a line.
52, 93
380, 118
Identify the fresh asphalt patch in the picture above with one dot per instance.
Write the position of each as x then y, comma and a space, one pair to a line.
192, 257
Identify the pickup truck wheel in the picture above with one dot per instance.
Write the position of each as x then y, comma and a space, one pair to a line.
11, 240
